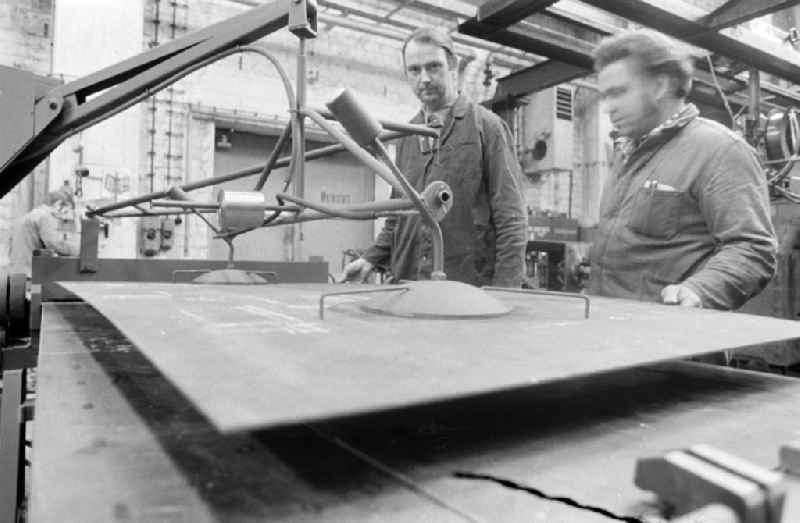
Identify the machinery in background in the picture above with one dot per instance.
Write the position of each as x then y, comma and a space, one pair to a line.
779, 142
556, 256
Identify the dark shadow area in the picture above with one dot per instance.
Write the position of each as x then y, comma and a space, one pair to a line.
503, 420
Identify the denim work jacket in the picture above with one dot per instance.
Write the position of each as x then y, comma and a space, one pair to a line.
689, 205
485, 230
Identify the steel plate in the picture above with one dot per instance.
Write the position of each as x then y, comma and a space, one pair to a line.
252, 357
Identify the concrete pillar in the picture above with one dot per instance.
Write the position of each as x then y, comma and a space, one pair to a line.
200, 165
87, 36
594, 126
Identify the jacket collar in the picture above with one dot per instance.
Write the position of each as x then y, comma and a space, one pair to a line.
459, 110
460, 107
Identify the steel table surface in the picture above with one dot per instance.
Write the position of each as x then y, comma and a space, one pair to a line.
258, 356
115, 441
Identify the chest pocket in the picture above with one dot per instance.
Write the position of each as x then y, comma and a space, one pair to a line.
466, 152
656, 213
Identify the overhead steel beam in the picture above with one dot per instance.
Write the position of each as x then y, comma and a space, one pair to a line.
540, 76
736, 12
534, 39
506, 12
407, 28
663, 17
547, 38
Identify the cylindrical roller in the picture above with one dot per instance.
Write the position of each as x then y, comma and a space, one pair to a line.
18, 305
240, 210
4, 315
361, 125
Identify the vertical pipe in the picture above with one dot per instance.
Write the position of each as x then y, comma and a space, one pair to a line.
171, 101
156, 23
754, 111
298, 146
187, 147
512, 108
569, 202
152, 152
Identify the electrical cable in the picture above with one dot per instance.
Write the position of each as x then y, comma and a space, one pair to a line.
782, 173
147, 93
721, 92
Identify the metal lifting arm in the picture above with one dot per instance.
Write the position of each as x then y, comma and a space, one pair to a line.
43, 116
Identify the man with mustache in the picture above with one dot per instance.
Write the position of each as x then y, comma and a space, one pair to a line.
685, 215
485, 230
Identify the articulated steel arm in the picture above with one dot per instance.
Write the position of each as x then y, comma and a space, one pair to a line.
38, 114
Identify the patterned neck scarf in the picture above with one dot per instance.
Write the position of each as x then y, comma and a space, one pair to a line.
627, 146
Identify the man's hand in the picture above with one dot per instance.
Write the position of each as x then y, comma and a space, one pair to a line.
357, 270
680, 295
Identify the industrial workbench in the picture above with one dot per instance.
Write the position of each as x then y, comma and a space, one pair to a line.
115, 439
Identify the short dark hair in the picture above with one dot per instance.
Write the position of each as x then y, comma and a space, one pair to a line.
655, 53
435, 36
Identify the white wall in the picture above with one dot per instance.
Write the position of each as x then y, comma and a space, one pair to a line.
89, 35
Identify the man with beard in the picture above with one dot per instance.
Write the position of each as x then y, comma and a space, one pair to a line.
685, 215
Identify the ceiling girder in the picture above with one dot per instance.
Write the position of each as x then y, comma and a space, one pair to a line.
540, 76
408, 28
735, 12
558, 43
506, 12
536, 40
576, 52
743, 47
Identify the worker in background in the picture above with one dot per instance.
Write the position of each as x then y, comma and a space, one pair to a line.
484, 231
40, 229
685, 216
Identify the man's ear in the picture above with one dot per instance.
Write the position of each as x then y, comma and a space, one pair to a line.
663, 86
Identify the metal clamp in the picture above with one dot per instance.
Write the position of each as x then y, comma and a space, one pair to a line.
694, 478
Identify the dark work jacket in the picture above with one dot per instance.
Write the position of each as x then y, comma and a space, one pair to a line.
688, 206
485, 230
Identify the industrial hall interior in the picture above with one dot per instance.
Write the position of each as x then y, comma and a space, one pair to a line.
389, 261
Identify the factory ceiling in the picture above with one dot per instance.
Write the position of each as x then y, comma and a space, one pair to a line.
715, 33
547, 42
